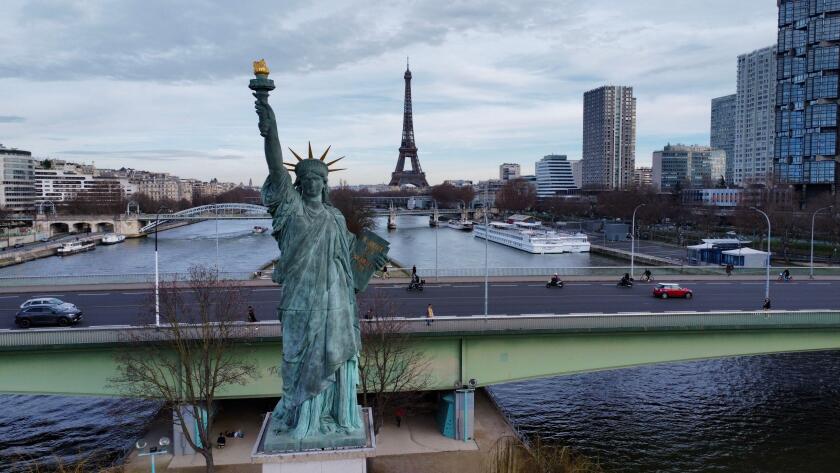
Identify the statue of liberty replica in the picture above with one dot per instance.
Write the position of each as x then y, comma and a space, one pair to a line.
321, 267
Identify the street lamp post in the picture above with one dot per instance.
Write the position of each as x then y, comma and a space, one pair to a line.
216, 211
434, 213
157, 272
633, 240
141, 444
486, 246
767, 283
811, 275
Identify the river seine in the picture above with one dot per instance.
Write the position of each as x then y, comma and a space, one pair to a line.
774, 413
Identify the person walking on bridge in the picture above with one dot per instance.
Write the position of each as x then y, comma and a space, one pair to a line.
252, 317
430, 315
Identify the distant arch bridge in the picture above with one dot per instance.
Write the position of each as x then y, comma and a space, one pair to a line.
226, 211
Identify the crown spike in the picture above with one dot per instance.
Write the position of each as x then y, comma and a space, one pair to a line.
296, 155
335, 161
289, 164
310, 150
334, 170
325, 153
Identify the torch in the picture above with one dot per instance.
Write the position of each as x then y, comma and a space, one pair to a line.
261, 85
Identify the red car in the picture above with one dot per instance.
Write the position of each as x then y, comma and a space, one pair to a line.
666, 290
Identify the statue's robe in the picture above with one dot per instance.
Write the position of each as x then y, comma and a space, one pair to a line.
321, 338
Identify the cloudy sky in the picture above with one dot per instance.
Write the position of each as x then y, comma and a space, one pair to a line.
163, 85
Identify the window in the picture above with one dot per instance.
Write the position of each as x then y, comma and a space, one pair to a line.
821, 115
823, 29
820, 59
824, 87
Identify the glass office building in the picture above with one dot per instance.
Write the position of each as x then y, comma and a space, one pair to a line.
808, 64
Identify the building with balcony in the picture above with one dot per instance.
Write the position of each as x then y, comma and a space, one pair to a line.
722, 130
609, 137
808, 64
17, 185
508, 171
554, 175
678, 167
755, 117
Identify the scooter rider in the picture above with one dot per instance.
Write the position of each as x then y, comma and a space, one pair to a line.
785, 275
555, 279
646, 275
625, 280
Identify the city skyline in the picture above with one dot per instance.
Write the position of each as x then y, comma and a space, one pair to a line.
493, 83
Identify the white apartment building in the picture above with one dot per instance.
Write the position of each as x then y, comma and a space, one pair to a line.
509, 171
17, 191
554, 174
755, 101
59, 181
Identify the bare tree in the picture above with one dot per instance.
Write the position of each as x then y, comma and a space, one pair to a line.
358, 216
515, 196
189, 359
389, 365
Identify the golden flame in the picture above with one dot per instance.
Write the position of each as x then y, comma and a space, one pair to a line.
260, 67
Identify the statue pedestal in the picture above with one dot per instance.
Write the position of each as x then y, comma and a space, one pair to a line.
339, 453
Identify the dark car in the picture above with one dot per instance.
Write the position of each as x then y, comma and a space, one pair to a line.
48, 315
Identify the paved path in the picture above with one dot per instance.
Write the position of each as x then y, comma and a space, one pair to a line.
121, 306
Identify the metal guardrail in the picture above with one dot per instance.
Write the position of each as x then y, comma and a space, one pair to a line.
429, 273
457, 326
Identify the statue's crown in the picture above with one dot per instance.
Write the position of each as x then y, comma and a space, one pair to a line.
303, 165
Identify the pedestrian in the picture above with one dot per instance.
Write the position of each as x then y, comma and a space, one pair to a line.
430, 314
413, 272
729, 269
252, 317
369, 314
766, 305
399, 413
385, 272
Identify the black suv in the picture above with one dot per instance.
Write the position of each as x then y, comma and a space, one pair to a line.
48, 315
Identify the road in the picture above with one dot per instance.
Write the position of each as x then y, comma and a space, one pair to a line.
119, 307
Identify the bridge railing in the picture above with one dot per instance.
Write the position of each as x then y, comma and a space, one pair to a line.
466, 325
606, 272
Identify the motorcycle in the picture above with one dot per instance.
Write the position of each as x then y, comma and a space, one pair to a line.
783, 278
625, 283
416, 285
557, 283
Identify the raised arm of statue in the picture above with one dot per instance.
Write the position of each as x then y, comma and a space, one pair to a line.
268, 129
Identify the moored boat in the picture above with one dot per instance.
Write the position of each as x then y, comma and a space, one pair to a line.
460, 224
113, 239
74, 247
532, 237
258, 229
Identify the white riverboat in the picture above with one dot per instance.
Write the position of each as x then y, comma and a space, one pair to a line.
258, 229
532, 237
113, 239
75, 247
460, 224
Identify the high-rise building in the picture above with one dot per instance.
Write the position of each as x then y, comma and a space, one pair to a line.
577, 172
722, 129
755, 100
808, 58
17, 188
684, 166
508, 171
554, 174
643, 177
609, 137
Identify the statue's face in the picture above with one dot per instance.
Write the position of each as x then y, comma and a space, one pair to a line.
312, 186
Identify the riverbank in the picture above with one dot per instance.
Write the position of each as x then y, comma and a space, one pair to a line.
415, 446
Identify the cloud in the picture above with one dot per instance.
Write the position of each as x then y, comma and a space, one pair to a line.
11, 119
494, 81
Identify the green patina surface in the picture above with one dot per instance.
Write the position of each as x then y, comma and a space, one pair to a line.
489, 359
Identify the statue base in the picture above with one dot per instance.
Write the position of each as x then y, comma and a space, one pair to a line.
340, 453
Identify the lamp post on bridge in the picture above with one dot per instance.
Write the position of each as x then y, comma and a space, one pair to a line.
767, 283
486, 246
811, 274
633, 239
153, 451
157, 273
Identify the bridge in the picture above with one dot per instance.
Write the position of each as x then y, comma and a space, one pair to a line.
489, 350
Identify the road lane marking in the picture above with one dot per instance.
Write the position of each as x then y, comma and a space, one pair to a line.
820, 283
134, 293
8, 297
536, 285
269, 289
504, 285
94, 294
467, 286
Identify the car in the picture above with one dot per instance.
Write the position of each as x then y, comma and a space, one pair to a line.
48, 301
670, 289
17, 245
48, 315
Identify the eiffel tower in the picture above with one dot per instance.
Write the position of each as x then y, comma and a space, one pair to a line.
408, 149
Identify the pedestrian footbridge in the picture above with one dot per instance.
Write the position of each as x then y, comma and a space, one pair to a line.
489, 350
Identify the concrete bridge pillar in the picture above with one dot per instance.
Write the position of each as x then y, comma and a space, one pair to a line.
434, 220
392, 217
